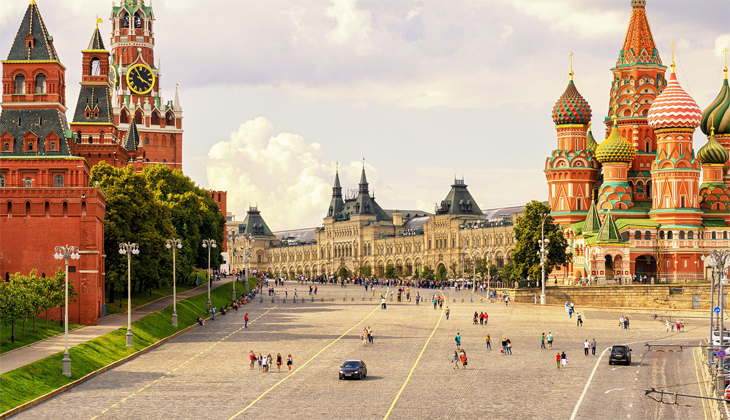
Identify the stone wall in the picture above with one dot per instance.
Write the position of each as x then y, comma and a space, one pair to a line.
638, 296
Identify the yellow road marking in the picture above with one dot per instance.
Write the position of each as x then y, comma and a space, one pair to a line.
414, 366
305, 363
699, 383
169, 373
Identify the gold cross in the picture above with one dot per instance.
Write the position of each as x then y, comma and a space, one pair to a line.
672, 47
571, 65
725, 69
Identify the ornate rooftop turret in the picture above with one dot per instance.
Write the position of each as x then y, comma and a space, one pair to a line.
593, 221
719, 109
571, 108
674, 108
132, 141
712, 153
609, 231
336, 203
639, 44
615, 148
591, 144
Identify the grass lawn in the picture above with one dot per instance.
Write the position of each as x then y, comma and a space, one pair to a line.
30, 337
142, 298
33, 380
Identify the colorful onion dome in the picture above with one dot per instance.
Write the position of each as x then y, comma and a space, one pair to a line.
720, 110
674, 108
591, 144
712, 152
615, 148
571, 108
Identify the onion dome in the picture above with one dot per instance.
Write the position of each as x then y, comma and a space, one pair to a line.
615, 148
720, 110
712, 152
674, 108
591, 144
571, 108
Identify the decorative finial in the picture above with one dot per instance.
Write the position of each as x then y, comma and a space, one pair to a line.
363, 162
98, 21
712, 116
725, 69
615, 112
176, 85
32, 1
571, 65
672, 47
589, 125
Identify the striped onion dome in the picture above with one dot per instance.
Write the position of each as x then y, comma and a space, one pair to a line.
591, 144
615, 148
718, 112
712, 152
571, 108
674, 108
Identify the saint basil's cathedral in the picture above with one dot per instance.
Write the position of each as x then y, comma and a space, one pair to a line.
45, 162
633, 204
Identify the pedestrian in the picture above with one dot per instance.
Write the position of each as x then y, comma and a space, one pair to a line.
447, 313
456, 359
681, 324
542, 342
504, 345
488, 340
570, 313
371, 335
476, 318
200, 320
626, 322
213, 314
265, 361
579, 322
486, 318
289, 361
672, 325
269, 362
260, 360
245, 320
509, 347
586, 346
666, 325
550, 340
463, 359
593, 347
557, 360
458, 340
286, 292
295, 293
563, 359
252, 357
382, 302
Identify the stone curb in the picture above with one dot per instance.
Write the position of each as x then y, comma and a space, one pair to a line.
90, 375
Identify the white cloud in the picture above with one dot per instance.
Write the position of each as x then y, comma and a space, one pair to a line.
353, 25
506, 32
416, 11
721, 42
578, 19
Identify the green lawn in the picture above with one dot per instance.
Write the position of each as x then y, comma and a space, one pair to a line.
30, 337
31, 381
140, 299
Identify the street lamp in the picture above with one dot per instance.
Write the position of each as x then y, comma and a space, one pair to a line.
719, 261
489, 268
209, 243
174, 244
474, 259
248, 253
232, 236
543, 253
129, 249
64, 253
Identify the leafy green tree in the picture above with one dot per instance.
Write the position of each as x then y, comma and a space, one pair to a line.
366, 271
428, 273
390, 272
454, 270
441, 274
342, 272
13, 303
528, 233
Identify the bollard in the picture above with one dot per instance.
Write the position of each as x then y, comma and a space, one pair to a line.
363, 298
283, 300
262, 299
371, 299
344, 299
312, 298
462, 300
454, 300
481, 300
272, 300
352, 299
323, 299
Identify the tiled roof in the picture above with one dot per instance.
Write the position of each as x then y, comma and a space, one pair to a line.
32, 24
132, 140
41, 122
593, 221
639, 44
571, 107
674, 108
96, 42
459, 201
718, 113
254, 224
94, 97
609, 232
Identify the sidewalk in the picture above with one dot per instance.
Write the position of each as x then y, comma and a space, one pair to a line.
23, 356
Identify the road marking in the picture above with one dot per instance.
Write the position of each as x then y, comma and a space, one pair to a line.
306, 363
414, 366
590, 378
169, 373
615, 389
699, 383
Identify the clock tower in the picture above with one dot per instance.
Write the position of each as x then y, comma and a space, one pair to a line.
136, 87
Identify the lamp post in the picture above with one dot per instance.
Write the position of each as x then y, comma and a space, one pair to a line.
232, 236
489, 268
66, 253
543, 253
209, 243
464, 254
129, 248
474, 259
174, 244
248, 253
719, 261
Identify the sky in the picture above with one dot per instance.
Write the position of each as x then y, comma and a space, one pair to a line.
276, 94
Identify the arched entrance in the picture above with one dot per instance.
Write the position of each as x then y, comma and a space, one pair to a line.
645, 267
609, 267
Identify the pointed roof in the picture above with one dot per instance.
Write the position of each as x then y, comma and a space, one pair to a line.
591, 144
337, 181
571, 107
363, 179
254, 224
96, 42
717, 114
176, 104
639, 44
132, 136
32, 28
459, 201
336, 203
609, 231
712, 153
674, 108
593, 221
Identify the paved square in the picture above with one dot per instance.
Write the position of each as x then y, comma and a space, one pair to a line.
204, 373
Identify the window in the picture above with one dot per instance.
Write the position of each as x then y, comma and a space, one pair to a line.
95, 67
40, 83
670, 235
681, 234
690, 235
124, 117
125, 20
637, 235
19, 84
28, 182
682, 204
137, 21
6, 147
714, 235
579, 204
58, 181
146, 140
724, 235
648, 189
2, 181
53, 145
30, 146
647, 147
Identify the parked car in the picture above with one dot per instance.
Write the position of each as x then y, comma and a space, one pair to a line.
620, 353
353, 369
716, 338
727, 392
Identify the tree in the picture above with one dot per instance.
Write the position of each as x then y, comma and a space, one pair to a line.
441, 274
366, 271
528, 233
454, 270
342, 272
12, 303
391, 272
428, 273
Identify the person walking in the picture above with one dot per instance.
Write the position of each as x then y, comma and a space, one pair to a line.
542, 342
504, 345
265, 361
278, 362
382, 302
509, 347
550, 340
557, 360
289, 361
245, 320
593, 347
488, 340
212, 314
458, 340
260, 360
456, 359
269, 362
252, 358
579, 322
563, 359
586, 346
371, 336
666, 325
447, 313
486, 318
463, 359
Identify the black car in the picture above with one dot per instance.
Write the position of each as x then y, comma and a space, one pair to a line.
353, 369
620, 353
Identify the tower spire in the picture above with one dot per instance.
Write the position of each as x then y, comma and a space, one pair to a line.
672, 48
571, 65
725, 68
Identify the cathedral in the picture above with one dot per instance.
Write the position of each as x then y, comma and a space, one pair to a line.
633, 204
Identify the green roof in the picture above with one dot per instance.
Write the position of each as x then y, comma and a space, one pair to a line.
713, 223
609, 232
626, 223
592, 222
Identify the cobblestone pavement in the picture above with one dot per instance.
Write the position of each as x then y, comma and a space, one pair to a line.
204, 373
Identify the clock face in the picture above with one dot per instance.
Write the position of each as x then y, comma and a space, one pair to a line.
113, 76
140, 79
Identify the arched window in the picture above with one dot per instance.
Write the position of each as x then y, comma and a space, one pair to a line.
95, 69
6, 147
27, 209
637, 235
19, 84
648, 189
28, 182
670, 235
640, 186
2, 181
65, 209
661, 234
138, 117
681, 234
690, 235
58, 181
124, 117
155, 120
10, 209
137, 21
125, 20
170, 118
40, 83
146, 140
47, 209
724, 235
714, 235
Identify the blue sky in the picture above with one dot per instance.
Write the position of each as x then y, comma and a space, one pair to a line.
276, 92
